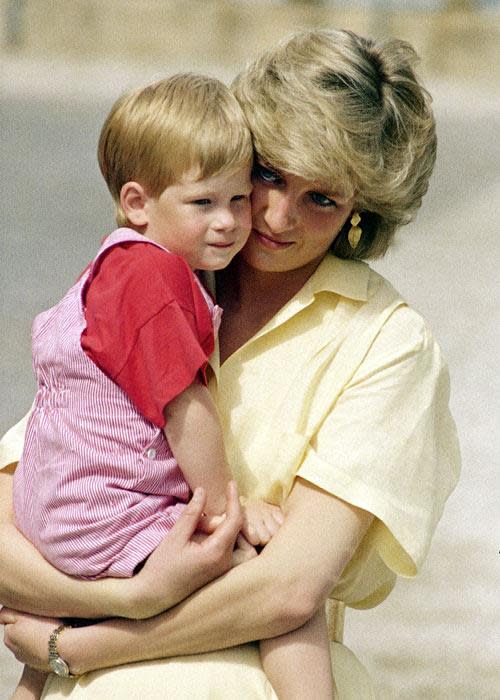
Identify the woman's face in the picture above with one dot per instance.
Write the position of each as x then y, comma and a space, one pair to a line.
294, 221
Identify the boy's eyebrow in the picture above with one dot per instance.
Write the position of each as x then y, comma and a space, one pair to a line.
197, 189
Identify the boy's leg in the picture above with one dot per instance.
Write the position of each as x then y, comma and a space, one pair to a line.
298, 664
31, 685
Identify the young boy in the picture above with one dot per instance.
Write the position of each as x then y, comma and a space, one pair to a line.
122, 404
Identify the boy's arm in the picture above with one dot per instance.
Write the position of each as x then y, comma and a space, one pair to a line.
194, 434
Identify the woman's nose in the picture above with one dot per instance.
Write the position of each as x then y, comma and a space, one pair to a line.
281, 213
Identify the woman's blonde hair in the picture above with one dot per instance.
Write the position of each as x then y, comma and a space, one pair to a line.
350, 115
157, 133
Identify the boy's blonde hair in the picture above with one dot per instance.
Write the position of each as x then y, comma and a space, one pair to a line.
157, 133
349, 114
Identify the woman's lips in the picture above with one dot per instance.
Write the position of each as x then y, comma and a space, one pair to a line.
271, 243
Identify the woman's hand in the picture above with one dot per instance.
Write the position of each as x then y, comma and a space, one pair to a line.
270, 595
27, 636
185, 560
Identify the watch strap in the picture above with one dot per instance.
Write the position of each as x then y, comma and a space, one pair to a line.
56, 662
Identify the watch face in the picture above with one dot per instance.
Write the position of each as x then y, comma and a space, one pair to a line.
59, 667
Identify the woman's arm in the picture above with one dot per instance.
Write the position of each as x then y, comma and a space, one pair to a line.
178, 566
267, 596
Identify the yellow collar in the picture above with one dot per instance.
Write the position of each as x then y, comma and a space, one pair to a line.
347, 278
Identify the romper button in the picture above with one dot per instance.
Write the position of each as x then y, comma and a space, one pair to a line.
151, 453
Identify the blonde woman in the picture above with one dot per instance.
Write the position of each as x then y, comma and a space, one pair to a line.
332, 393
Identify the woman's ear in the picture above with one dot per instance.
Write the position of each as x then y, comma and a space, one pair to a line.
133, 202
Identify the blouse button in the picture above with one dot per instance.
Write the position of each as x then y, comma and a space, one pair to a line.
151, 453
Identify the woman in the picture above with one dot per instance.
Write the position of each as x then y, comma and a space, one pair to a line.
332, 393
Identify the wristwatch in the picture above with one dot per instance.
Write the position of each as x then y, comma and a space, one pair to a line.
56, 663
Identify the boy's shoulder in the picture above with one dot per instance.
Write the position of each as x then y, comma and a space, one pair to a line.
142, 255
140, 267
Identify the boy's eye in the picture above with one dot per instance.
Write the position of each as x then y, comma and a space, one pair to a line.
201, 202
322, 200
265, 174
239, 197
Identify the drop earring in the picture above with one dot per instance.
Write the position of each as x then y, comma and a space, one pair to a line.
355, 231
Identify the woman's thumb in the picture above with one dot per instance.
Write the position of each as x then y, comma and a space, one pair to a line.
191, 515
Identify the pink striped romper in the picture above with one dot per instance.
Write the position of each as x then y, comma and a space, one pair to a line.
97, 487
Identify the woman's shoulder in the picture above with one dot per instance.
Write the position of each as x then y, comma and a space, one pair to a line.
405, 318
404, 337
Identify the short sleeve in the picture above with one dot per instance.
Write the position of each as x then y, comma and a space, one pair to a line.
148, 325
389, 445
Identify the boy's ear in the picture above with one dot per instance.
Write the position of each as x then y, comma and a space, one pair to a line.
133, 202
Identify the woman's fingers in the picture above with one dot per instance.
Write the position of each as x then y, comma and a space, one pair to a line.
233, 508
27, 637
226, 532
7, 616
233, 521
209, 523
188, 521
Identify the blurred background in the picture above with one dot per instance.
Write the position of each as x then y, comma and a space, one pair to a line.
62, 64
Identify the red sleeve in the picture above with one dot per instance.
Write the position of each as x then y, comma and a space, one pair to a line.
148, 325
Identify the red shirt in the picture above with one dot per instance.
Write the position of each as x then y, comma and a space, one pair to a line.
148, 325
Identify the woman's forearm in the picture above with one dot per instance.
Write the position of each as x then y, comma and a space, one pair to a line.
265, 597
187, 629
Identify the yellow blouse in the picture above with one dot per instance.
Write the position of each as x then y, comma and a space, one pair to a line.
345, 387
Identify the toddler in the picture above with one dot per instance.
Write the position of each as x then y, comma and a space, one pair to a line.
123, 427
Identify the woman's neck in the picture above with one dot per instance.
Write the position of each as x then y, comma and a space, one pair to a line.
241, 287
250, 298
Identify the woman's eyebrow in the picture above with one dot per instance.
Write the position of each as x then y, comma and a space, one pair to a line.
332, 193
265, 164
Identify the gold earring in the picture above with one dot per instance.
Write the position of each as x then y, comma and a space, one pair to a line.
355, 231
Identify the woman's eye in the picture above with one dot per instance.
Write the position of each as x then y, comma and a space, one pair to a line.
265, 174
322, 200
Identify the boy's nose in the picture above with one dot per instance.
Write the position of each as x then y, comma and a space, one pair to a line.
224, 220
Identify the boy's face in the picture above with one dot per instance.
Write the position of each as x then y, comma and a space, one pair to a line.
205, 221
